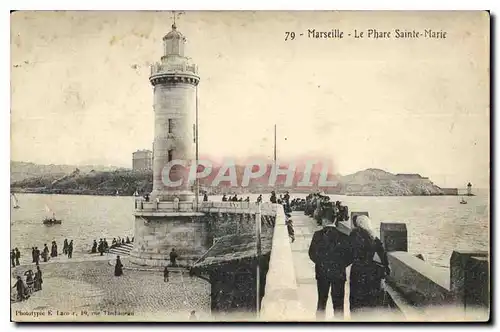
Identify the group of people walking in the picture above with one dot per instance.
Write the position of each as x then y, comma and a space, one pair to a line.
32, 283
45, 254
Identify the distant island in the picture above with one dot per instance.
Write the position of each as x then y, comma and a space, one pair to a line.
107, 180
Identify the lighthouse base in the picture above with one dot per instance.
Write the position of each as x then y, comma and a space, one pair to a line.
155, 237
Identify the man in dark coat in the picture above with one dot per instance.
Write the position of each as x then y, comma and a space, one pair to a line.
13, 258
331, 253
38, 279
18, 256
173, 257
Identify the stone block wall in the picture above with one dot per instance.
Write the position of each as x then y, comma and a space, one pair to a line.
156, 236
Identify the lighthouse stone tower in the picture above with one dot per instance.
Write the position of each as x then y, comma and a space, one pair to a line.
169, 220
174, 81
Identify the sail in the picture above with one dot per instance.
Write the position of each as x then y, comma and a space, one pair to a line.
16, 203
15, 199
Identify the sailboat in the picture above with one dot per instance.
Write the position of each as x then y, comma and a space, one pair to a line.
16, 205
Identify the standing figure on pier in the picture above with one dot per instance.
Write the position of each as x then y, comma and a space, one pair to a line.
94, 247
53, 253
13, 258
205, 197
65, 247
176, 203
18, 256
331, 253
259, 199
173, 257
70, 249
272, 199
118, 267
369, 267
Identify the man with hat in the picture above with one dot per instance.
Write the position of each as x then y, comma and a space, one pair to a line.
331, 253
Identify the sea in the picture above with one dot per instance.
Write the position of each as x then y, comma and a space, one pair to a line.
436, 225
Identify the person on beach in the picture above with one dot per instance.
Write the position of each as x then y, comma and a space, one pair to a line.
205, 197
173, 257
330, 251
118, 267
45, 253
224, 198
53, 252
65, 247
33, 253
29, 278
165, 274
20, 288
37, 256
370, 266
70, 249
94, 247
128, 240
18, 256
105, 245
38, 279
13, 258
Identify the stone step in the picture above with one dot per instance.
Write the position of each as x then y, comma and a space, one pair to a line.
124, 249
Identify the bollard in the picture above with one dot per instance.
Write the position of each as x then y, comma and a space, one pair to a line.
394, 236
469, 278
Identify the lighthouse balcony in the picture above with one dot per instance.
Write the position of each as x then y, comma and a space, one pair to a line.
161, 68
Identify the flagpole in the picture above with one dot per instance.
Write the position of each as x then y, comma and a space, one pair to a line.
275, 164
196, 139
258, 220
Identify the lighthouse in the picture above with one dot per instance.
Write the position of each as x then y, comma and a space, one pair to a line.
175, 82
170, 220
469, 189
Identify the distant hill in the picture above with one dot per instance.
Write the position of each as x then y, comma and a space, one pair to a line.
20, 170
377, 182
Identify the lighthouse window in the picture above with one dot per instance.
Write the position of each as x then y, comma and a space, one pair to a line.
169, 126
170, 155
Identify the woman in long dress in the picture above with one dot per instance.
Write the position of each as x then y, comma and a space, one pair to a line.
118, 267
38, 279
367, 270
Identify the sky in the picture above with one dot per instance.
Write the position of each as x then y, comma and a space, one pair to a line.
80, 92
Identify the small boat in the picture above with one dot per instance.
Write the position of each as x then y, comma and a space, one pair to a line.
51, 221
463, 201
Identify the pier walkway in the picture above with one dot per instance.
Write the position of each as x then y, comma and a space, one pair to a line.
305, 227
